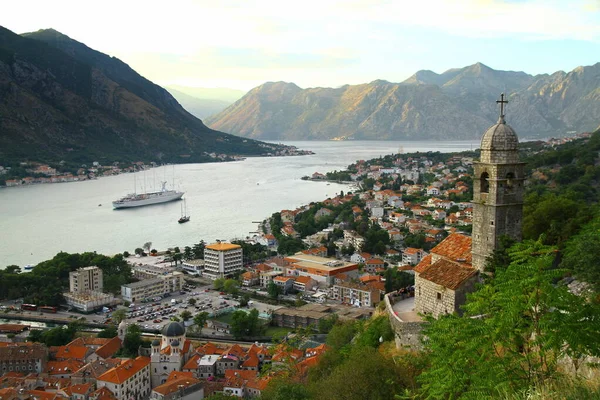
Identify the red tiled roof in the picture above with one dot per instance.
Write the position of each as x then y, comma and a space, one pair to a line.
81, 389
126, 370
68, 352
103, 394
251, 362
374, 261
455, 247
63, 367
303, 279
448, 274
110, 348
424, 264
172, 386
192, 362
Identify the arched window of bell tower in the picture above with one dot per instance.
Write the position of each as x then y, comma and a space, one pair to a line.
510, 178
484, 183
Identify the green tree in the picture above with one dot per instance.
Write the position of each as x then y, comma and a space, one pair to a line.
108, 332
274, 290
284, 389
188, 253
200, 320
582, 254
326, 324
347, 381
192, 301
231, 286
219, 283
132, 341
514, 331
139, 251
12, 269
245, 324
244, 300
185, 315
119, 315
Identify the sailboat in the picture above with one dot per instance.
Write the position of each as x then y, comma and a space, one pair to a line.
184, 217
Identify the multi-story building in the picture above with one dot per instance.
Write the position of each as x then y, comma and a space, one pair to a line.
150, 288
321, 269
193, 267
222, 259
85, 285
24, 359
147, 271
86, 279
128, 380
356, 295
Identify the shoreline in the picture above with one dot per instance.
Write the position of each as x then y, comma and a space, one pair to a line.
88, 178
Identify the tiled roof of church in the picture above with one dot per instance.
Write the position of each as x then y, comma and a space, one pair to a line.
455, 247
448, 274
424, 264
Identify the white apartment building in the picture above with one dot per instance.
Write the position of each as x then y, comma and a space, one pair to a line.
85, 285
86, 279
128, 380
222, 259
155, 287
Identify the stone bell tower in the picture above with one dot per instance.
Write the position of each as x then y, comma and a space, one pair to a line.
498, 187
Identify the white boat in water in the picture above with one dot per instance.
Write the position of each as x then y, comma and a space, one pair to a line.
146, 199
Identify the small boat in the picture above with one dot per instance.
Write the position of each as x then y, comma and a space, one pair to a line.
28, 267
184, 217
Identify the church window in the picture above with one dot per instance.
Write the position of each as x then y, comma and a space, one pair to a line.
492, 223
484, 183
439, 296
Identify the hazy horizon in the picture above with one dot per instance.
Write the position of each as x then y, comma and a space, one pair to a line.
240, 45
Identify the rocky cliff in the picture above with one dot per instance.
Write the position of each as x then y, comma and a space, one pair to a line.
59, 99
457, 104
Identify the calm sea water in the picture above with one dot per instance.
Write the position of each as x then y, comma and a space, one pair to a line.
223, 200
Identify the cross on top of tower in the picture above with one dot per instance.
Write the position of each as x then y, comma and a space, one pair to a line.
502, 102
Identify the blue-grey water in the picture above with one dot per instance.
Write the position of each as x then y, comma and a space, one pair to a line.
223, 199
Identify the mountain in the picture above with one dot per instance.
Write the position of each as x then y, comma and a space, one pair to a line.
457, 104
199, 107
61, 100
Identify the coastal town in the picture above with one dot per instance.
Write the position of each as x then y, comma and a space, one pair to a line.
229, 317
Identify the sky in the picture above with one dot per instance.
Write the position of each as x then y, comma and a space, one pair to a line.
320, 43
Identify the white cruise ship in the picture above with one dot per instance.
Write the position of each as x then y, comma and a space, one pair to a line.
146, 199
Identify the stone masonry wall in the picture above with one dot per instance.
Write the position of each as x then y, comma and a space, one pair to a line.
427, 299
408, 334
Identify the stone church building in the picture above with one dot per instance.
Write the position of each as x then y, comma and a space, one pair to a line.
443, 279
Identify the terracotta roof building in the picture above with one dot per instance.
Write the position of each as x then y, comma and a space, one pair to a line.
23, 358
443, 278
130, 379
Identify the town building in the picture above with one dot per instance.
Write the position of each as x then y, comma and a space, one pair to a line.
321, 269
23, 358
128, 380
170, 353
356, 295
85, 290
193, 267
85, 280
222, 259
179, 386
151, 288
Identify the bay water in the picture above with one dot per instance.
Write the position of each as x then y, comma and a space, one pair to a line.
223, 199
